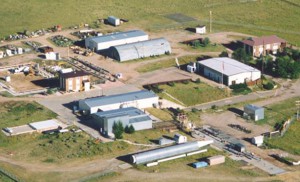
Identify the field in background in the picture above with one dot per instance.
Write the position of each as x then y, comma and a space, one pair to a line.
255, 17
166, 63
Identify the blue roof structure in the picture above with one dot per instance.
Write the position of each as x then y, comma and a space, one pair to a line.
118, 36
135, 115
120, 98
253, 107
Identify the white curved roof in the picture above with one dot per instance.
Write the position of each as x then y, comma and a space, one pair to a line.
141, 49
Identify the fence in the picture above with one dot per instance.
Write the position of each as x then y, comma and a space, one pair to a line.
10, 176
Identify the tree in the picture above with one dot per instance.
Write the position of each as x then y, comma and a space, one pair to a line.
129, 129
206, 41
118, 130
240, 54
196, 43
224, 54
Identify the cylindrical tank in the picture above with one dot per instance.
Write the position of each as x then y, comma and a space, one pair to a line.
170, 151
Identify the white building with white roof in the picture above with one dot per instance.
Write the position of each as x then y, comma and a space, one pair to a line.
228, 71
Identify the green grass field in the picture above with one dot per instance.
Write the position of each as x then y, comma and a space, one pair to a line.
47, 148
162, 114
277, 113
192, 93
289, 142
166, 63
255, 17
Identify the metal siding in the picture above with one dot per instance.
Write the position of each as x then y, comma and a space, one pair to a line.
141, 49
142, 125
165, 152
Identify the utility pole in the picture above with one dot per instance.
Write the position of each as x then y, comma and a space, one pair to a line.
210, 21
298, 107
262, 60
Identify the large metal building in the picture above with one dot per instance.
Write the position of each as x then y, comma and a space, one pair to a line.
165, 152
140, 49
127, 116
106, 41
139, 99
228, 71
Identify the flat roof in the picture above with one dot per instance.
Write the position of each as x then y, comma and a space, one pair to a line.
120, 98
118, 36
113, 17
73, 74
135, 115
227, 66
253, 107
52, 123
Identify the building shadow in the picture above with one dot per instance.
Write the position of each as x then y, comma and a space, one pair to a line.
189, 29
236, 111
125, 158
233, 45
47, 83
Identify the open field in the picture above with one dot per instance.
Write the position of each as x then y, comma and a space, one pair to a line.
276, 113
289, 142
21, 82
192, 93
166, 64
163, 114
48, 148
256, 17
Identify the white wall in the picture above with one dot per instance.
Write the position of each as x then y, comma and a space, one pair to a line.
106, 45
142, 125
240, 78
201, 30
141, 104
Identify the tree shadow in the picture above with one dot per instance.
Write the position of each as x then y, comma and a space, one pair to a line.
233, 45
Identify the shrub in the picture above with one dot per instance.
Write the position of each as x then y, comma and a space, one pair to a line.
171, 84
198, 80
214, 107
268, 86
224, 54
195, 110
185, 82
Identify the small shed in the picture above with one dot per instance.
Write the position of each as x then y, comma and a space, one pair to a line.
258, 141
200, 29
218, 159
113, 21
191, 67
256, 113
200, 164
180, 138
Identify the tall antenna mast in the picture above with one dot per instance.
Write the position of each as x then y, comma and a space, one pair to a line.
210, 21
